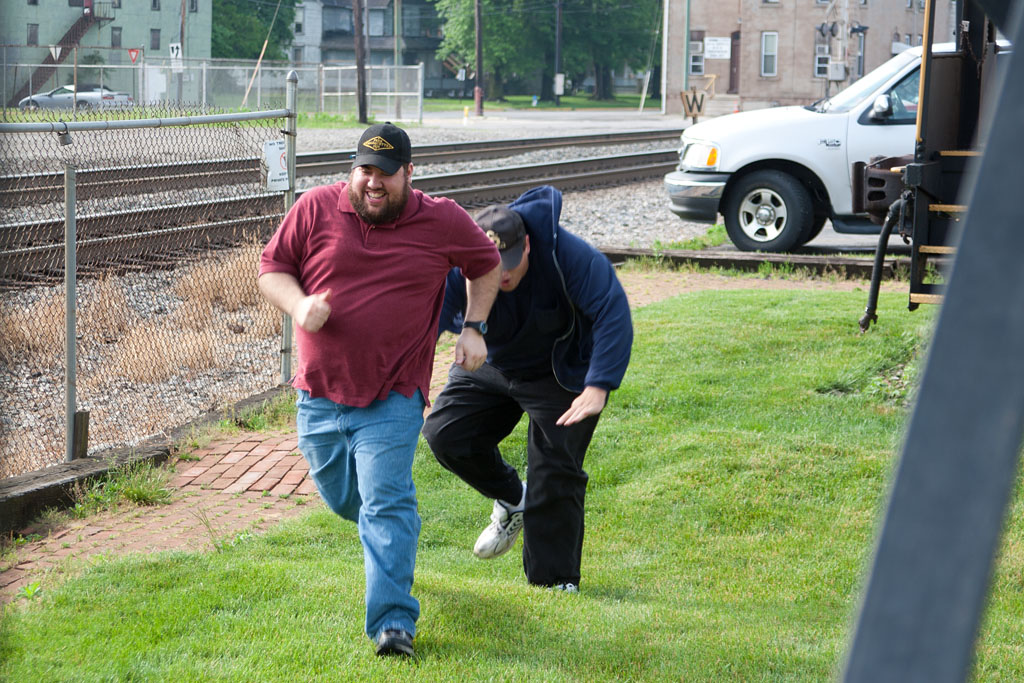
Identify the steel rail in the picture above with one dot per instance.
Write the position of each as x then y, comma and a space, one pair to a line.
162, 233
43, 188
38, 188
153, 219
338, 161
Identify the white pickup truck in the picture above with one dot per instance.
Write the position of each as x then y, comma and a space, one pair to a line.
777, 174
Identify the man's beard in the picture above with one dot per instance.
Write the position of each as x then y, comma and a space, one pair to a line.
388, 213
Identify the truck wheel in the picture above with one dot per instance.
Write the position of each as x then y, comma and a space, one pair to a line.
768, 211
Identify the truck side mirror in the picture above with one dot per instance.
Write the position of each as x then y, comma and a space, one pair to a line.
882, 108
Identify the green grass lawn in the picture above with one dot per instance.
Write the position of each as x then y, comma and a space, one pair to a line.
735, 484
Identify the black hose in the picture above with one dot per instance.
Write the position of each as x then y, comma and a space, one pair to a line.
876, 270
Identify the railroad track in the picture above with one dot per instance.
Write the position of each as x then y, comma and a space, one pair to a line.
42, 188
33, 251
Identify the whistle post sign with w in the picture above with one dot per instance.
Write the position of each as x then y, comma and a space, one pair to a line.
693, 103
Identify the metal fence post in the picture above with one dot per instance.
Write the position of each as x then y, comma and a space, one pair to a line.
291, 97
419, 95
70, 285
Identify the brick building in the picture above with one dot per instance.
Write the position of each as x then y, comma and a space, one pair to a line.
762, 53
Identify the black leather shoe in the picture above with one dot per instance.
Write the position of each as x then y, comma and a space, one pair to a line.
395, 642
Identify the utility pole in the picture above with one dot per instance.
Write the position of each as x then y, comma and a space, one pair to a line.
357, 35
558, 49
181, 41
844, 39
398, 32
478, 89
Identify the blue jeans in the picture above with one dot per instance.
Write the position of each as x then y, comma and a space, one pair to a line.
361, 462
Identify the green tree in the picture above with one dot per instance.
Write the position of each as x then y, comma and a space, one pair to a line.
241, 26
514, 38
598, 36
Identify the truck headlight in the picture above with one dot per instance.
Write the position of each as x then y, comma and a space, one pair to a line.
699, 156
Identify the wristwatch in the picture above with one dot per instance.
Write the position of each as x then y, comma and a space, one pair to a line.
478, 325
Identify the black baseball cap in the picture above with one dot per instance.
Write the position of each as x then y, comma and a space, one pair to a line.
506, 229
385, 146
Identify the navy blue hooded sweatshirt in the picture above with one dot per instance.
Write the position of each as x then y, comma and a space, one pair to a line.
569, 315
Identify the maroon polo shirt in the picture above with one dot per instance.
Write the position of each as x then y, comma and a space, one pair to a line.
387, 286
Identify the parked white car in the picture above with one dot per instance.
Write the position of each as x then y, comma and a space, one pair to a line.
777, 174
86, 97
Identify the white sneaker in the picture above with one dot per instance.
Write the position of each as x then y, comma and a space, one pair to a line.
565, 587
502, 532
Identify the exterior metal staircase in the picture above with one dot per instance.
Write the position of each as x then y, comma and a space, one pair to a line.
99, 12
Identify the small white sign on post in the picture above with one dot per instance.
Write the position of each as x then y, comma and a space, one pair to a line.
176, 63
717, 48
55, 52
276, 161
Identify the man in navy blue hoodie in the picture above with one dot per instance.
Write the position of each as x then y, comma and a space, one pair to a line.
558, 339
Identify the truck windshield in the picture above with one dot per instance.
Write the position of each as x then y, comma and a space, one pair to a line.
850, 97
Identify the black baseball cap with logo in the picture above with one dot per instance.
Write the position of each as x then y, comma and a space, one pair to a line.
385, 146
506, 229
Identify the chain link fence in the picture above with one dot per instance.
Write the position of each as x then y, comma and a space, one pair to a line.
169, 223
393, 92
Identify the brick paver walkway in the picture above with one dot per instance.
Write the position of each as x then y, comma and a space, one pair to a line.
245, 483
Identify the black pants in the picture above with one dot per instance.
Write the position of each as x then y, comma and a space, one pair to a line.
474, 412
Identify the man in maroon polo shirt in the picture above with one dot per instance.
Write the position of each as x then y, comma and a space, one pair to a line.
360, 267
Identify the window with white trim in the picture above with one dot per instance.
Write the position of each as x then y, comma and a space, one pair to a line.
696, 53
821, 54
861, 40
769, 53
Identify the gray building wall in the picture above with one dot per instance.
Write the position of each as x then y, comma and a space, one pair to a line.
134, 20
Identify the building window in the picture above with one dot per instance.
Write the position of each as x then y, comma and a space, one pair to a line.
696, 65
300, 18
75, 3
33, 2
375, 23
115, 36
154, 5
116, 4
906, 39
769, 2
769, 53
297, 54
337, 22
860, 54
154, 39
821, 52
696, 48
193, 5
920, 39
33, 34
